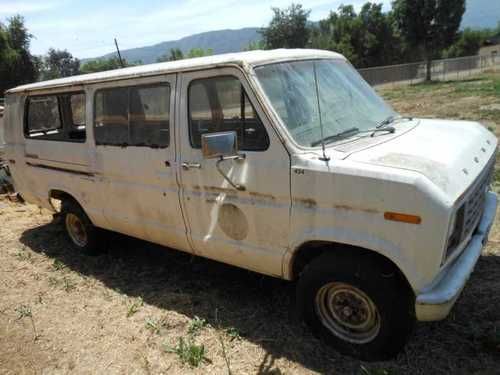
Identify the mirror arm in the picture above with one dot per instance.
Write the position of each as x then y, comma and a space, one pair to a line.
235, 157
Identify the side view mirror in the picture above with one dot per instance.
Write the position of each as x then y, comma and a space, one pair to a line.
222, 146
217, 145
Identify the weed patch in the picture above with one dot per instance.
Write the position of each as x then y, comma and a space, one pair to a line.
188, 352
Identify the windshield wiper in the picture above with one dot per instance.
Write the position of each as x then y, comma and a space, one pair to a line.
391, 119
330, 138
385, 122
390, 129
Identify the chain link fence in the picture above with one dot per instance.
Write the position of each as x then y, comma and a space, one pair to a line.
442, 70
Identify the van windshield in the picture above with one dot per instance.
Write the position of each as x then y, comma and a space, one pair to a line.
328, 93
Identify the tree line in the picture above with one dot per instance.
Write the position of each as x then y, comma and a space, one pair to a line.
411, 30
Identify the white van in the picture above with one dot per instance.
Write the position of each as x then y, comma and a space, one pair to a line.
283, 162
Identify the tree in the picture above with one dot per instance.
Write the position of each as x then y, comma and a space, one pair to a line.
199, 52
174, 54
429, 25
255, 45
17, 65
366, 39
101, 65
469, 42
177, 54
59, 63
288, 28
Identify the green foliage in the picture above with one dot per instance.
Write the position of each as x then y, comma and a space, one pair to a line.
188, 352
200, 52
233, 333
366, 39
101, 65
17, 65
252, 46
135, 307
59, 63
153, 325
288, 28
177, 54
196, 325
23, 311
57, 265
469, 42
429, 25
174, 54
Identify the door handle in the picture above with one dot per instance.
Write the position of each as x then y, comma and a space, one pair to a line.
188, 165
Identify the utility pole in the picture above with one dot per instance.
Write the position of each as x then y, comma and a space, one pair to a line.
119, 54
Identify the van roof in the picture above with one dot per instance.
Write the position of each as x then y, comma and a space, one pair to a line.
252, 58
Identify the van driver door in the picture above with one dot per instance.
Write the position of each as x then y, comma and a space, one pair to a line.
246, 228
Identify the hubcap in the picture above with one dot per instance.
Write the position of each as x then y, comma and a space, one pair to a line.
347, 312
76, 230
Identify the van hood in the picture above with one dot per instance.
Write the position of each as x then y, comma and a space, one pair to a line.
451, 154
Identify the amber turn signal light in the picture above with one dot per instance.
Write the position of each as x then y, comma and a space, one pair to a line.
395, 216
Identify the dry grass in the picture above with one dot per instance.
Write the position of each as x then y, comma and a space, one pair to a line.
127, 310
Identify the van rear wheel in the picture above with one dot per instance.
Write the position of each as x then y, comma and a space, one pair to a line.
83, 235
357, 304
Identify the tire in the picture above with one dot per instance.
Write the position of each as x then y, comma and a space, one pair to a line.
82, 234
357, 303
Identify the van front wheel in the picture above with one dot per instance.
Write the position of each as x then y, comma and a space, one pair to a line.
80, 230
358, 305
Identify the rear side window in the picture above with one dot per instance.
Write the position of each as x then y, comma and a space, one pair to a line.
77, 103
43, 114
58, 117
111, 116
221, 104
133, 116
149, 116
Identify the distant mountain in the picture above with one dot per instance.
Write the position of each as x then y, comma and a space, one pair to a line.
481, 14
221, 41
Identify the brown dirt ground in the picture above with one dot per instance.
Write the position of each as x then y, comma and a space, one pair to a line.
81, 306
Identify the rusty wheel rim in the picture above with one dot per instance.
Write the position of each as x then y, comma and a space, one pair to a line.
76, 230
347, 312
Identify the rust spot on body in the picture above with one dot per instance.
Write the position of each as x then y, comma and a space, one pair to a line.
352, 208
262, 195
306, 202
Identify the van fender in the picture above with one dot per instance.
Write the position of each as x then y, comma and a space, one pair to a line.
95, 216
344, 236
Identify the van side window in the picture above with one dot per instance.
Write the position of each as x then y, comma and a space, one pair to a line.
149, 116
43, 116
58, 117
111, 117
133, 116
77, 103
221, 104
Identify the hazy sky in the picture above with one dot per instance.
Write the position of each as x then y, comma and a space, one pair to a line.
87, 28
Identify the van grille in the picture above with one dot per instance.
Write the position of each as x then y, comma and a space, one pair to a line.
470, 212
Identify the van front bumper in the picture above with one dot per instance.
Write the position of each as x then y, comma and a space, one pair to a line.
436, 303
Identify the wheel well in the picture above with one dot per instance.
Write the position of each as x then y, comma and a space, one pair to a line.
310, 250
60, 196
